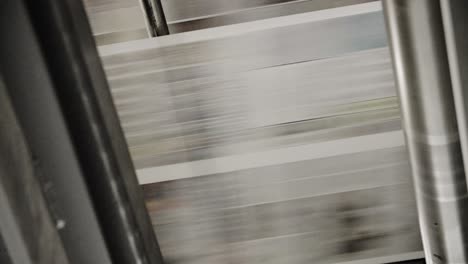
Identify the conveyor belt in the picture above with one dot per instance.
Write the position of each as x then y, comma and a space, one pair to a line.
275, 141
188, 15
114, 21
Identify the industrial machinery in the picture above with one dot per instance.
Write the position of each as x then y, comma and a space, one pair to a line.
254, 131
276, 140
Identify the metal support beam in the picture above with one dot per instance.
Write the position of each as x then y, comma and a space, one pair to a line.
60, 93
29, 232
455, 19
33, 97
421, 67
83, 94
155, 18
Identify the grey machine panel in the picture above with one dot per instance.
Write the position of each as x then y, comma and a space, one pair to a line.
275, 141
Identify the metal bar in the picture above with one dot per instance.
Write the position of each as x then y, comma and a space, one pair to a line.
66, 103
423, 79
183, 16
27, 79
29, 232
155, 18
455, 19
83, 94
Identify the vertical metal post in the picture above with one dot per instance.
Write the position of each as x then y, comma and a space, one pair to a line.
27, 79
59, 91
422, 73
82, 91
155, 18
29, 232
455, 20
